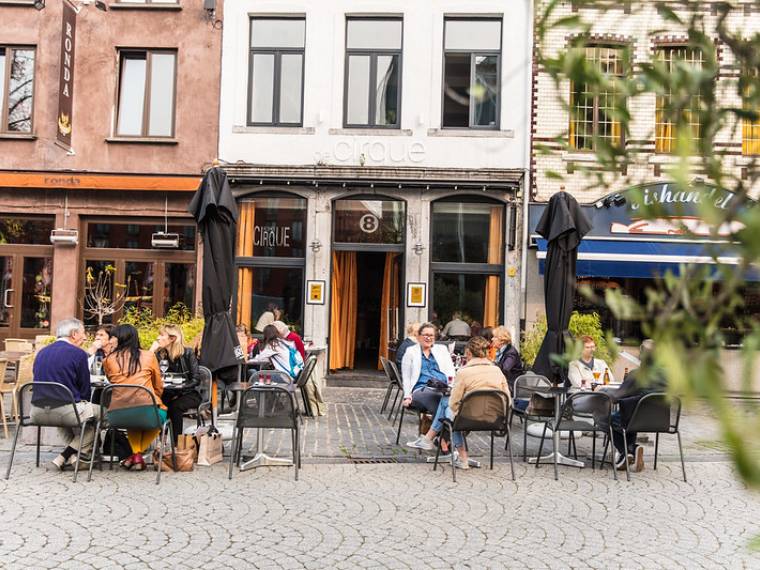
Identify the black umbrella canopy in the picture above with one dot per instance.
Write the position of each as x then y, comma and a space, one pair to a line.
563, 225
215, 211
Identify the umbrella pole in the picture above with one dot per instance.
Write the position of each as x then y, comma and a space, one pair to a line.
214, 401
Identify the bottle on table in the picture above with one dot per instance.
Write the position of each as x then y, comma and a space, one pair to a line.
606, 376
625, 374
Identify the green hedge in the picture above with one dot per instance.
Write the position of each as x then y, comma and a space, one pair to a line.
580, 324
147, 325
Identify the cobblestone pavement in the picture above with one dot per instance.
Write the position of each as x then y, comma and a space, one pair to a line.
344, 515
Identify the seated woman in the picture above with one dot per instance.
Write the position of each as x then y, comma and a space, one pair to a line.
280, 353
457, 327
478, 374
127, 364
101, 346
292, 336
507, 357
170, 346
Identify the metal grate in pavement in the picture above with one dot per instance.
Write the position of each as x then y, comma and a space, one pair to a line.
373, 461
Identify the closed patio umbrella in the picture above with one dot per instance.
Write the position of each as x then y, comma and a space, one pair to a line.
215, 211
563, 225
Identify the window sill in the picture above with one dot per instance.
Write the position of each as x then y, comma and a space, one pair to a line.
29, 3
161, 7
142, 140
372, 132
18, 136
240, 129
476, 133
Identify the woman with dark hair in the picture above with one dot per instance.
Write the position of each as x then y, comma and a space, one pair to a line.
281, 353
127, 364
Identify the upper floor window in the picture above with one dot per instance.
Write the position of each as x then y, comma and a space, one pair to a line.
750, 128
16, 89
275, 76
147, 85
665, 127
373, 72
593, 110
471, 72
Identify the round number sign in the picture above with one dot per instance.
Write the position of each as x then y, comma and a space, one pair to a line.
369, 223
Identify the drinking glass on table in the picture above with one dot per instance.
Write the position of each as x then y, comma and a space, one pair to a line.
97, 366
163, 366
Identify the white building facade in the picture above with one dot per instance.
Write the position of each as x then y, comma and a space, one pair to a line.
378, 151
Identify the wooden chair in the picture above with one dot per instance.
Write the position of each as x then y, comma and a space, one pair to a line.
24, 375
3, 368
18, 345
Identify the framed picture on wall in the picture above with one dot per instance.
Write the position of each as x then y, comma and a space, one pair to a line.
315, 292
416, 294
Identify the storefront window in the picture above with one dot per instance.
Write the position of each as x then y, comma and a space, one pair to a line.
99, 276
139, 285
473, 299
135, 236
23, 230
272, 226
267, 294
369, 221
36, 292
179, 285
467, 232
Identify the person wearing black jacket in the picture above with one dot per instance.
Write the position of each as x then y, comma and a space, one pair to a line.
507, 357
170, 346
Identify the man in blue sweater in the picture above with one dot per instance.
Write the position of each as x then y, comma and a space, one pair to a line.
64, 362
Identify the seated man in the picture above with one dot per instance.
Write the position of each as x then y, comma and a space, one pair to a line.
478, 374
456, 327
581, 372
627, 396
64, 362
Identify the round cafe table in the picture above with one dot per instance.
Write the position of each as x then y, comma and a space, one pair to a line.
559, 393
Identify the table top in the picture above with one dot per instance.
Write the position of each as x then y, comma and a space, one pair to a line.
13, 355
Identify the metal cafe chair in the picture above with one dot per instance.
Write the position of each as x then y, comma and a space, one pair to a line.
394, 383
481, 410
396, 375
205, 390
525, 386
391, 384
143, 417
302, 380
56, 394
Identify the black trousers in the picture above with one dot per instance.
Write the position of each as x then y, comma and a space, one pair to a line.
178, 403
620, 420
426, 398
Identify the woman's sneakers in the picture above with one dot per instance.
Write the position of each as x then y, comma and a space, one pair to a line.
421, 443
56, 464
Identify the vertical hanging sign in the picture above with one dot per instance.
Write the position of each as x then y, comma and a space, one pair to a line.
66, 80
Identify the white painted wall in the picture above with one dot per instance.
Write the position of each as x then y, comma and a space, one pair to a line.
419, 142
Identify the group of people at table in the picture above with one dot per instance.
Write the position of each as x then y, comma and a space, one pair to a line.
493, 363
116, 352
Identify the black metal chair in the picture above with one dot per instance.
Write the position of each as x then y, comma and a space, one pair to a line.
584, 412
481, 410
302, 380
655, 414
391, 383
56, 395
204, 387
525, 386
142, 417
266, 407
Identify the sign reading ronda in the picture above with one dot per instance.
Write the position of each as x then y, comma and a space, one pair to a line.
66, 79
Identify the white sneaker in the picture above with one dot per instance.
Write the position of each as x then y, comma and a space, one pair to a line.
621, 460
421, 443
459, 464
56, 464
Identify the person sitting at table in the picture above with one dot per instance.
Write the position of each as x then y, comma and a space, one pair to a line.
410, 340
292, 336
279, 352
424, 362
127, 364
101, 345
581, 372
64, 362
507, 357
478, 374
170, 346
272, 314
247, 342
456, 327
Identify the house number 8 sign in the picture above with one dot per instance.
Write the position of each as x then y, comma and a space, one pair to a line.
369, 223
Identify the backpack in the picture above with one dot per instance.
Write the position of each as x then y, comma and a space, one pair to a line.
295, 361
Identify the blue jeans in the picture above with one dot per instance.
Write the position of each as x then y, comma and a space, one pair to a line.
445, 412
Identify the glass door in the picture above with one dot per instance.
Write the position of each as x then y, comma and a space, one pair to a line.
6, 290
25, 295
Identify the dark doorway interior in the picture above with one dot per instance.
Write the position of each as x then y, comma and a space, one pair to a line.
370, 289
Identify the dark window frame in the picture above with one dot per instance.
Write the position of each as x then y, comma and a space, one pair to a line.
277, 74
473, 54
355, 246
373, 54
5, 79
124, 53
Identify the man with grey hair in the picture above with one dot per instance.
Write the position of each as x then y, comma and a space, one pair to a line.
65, 363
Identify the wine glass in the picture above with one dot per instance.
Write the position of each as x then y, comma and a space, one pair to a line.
163, 366
97, 366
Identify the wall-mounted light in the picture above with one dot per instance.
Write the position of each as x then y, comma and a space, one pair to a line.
315, 246
418, 248
39, 4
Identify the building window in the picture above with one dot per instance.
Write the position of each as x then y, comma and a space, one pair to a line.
373, 72
270, 259
16, 89
593, 111
467, 252
472, 68
147, 85
154, 2
369, 220
665, 135
750, 128
275, 76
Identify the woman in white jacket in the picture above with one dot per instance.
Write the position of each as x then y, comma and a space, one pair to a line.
422, 362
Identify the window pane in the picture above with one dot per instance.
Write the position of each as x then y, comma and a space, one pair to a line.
474, 297
467, 233
139, 283
24, 230
373, 34
179, 285
135, 236
2, 82
36, 291
161, 94
270, 33
20, 89
262, 97
357, 110
473, 35
263, 292
291, 77
386, 87
272, 227
6, 282
132, 95
456, 90
98, 291
370, 221
485, 92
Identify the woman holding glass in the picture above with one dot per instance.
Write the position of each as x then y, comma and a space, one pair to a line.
173, 357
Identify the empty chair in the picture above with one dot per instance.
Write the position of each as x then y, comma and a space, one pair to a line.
204, 387
394, 384
525, 386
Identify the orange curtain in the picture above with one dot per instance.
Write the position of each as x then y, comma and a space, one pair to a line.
491, 301
245, 275
343, 310
388, 305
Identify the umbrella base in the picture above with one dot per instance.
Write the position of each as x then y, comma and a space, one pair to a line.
561, 460
264, 460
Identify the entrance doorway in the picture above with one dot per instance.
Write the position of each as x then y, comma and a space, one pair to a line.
26, 287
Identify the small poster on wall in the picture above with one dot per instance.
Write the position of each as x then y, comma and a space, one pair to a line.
416, 294
316, 292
